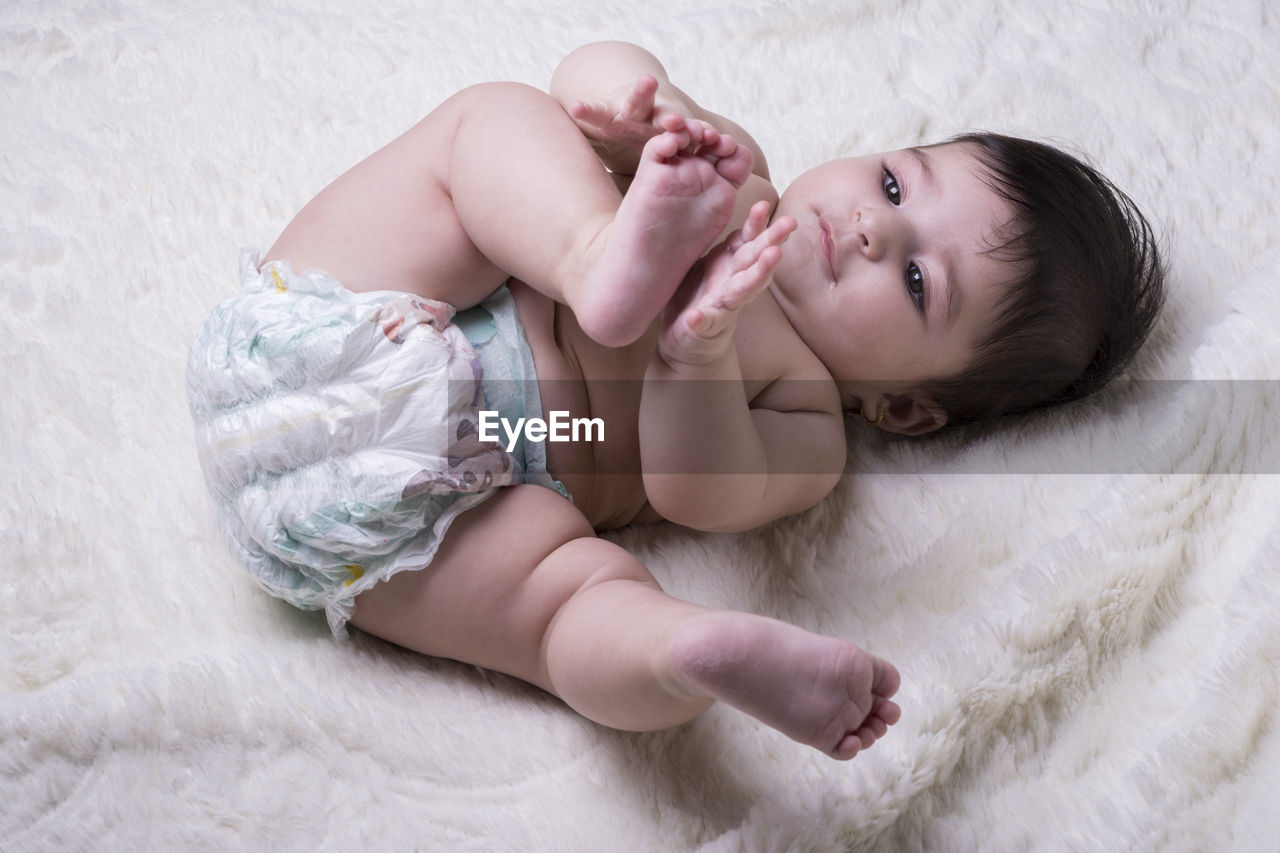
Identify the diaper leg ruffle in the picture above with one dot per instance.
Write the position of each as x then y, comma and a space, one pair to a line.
338, 432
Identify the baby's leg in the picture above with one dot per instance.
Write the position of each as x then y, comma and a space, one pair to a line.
549, 215
498, 182
522, 586
675, 208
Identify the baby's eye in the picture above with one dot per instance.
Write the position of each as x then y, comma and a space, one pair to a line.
915, 286
891, 189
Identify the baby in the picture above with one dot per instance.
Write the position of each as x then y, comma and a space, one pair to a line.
715, 331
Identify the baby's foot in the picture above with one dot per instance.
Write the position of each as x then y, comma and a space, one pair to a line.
620, 125
817, 690
676, 207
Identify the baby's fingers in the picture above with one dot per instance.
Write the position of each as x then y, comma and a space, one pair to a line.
754, 267
718, 315
740, 278
752, 248
593, 114
757, 219
639, 103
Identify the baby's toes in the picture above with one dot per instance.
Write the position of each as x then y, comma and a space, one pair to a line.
847, 748
664, 146
718, 144
887, 710
735, 165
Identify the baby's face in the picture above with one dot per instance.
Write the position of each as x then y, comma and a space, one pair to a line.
885, 277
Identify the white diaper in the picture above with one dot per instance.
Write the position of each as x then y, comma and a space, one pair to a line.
337, 431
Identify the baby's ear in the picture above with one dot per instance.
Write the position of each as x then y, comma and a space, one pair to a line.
911, 415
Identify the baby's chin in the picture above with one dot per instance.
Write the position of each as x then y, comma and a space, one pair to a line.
796, 278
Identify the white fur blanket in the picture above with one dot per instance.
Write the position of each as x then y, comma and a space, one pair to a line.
1083, 604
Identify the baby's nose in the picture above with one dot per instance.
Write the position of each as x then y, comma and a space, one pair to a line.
872, 232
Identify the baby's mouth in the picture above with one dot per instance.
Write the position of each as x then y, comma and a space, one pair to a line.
828, 248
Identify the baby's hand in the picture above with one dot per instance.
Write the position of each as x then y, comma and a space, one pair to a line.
619, 127
699, 321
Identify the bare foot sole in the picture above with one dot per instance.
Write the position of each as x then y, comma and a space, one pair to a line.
820, 691
677, 205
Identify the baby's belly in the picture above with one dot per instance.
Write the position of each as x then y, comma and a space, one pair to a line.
599, 390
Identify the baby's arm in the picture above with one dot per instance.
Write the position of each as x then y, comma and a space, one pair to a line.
619, 95
710, 460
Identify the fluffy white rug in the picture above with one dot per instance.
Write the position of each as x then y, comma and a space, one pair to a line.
1082, 604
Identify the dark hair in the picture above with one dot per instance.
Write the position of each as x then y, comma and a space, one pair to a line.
1089, 289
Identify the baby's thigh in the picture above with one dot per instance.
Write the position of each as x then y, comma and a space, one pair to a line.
493, 587
388, 223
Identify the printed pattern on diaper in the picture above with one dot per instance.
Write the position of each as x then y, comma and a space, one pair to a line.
338, 431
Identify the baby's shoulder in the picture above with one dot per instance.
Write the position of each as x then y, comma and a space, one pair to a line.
777, 364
